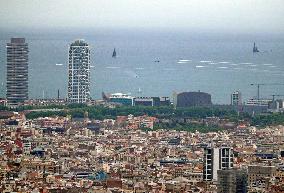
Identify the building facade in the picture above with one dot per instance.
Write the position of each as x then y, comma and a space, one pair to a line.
259, 176
258, 102
152, 101
232, 181
236, 98
17, 72
216, 159
192, 99
79, 72
123, 99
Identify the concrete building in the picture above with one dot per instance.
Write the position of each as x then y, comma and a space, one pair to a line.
232, 181
3, 101
216, 159
17, 71
79, 72
144, 101
191, 99
236, 98
121, 98
258, 102
276, 105
151, 101
259, 176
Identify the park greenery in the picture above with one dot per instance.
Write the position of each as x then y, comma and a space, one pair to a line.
162, 112
100, 112
268, 119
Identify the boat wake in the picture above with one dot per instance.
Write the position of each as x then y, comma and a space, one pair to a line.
112, 67
200, 66
184, 60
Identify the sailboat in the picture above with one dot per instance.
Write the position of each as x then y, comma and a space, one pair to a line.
114, 53
255, 49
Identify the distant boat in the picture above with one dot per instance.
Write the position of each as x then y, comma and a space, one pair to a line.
157, 61
58, 64
255, 49
114, 53
139, 91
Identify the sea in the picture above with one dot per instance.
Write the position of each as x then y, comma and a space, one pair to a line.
157, 63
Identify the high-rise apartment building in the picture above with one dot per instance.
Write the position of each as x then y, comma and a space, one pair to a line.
259, 175
216, 159
236, 98
17, 71
79, 72
232, 181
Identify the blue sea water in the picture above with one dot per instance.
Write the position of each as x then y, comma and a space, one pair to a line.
215, 63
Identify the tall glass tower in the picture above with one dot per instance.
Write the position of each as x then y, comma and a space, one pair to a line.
17, 71
79, 72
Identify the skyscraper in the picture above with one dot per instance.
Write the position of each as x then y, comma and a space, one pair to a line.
79, 72
17, 71
216, 159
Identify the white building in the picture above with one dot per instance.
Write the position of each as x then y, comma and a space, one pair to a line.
121, 98
216, 159
276, 106
236, 98
79, 72
258, 102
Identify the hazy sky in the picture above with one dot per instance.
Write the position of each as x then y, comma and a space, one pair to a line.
228, 15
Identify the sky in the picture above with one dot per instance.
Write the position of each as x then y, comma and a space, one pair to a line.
215, 15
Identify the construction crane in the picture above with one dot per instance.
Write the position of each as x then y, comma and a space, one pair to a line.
274, 95
262, 84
